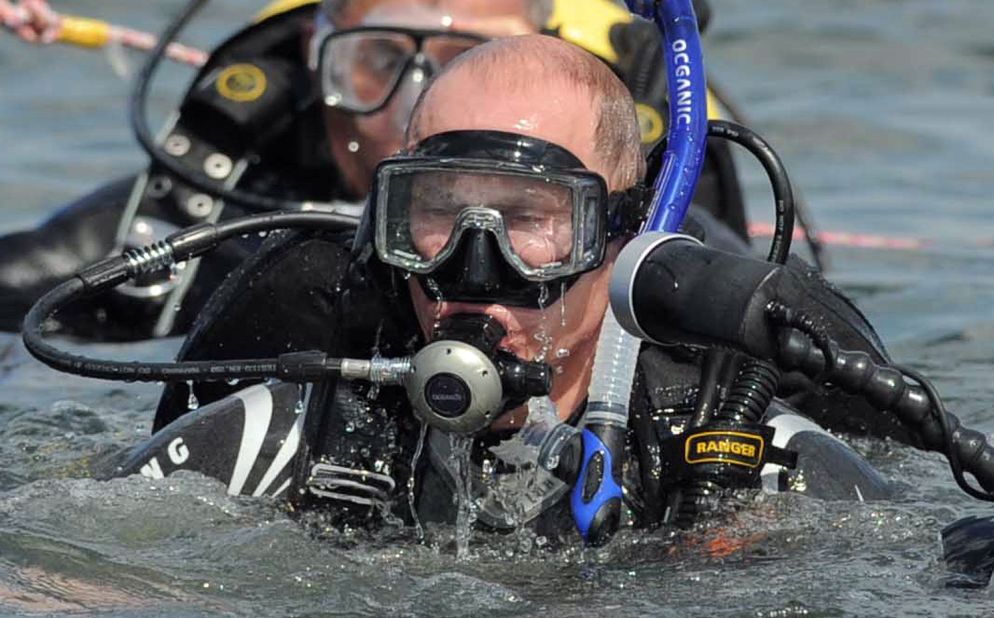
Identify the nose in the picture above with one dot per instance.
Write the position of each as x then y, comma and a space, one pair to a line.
480, 262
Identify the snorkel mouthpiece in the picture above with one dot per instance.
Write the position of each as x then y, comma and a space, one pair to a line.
461, 383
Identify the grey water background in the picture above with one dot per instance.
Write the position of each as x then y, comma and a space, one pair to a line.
882, 111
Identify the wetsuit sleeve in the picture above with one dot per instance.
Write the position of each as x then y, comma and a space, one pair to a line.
33, 262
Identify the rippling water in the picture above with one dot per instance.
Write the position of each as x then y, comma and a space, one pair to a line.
882, 111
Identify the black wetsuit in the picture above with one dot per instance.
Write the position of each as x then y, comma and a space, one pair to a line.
273, 145
353, 450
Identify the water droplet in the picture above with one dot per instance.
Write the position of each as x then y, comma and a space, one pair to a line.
543, 295
177, 307
191, 402
562, 353
349, 427
232, 381
299, 407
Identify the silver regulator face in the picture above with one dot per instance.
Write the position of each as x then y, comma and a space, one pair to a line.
453, 386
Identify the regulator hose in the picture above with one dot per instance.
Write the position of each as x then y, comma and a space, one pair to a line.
785, 203
803, 212
783, 193
178, 247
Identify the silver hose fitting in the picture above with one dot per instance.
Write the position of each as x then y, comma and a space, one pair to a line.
377, 370
149, 259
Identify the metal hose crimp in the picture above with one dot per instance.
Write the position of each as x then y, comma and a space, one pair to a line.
389, 370
150, 258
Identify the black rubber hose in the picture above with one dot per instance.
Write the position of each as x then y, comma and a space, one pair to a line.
715, 360
783, 193
917, 406
750, 394
201, 238
177, 247
804, 217
124, 371
139, 124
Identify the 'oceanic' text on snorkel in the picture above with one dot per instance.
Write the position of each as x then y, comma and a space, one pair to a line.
684, 93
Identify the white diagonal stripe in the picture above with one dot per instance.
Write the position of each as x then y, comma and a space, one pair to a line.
258, 402
281, 488
285, 454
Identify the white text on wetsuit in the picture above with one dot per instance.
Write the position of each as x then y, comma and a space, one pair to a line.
683, 101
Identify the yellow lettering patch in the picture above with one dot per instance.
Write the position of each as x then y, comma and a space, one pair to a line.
241, 82
732, 447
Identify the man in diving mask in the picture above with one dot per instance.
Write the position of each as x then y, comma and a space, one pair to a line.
499, 223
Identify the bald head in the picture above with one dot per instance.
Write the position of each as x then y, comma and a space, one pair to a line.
541, 86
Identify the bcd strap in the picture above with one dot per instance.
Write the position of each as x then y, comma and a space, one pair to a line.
732, 455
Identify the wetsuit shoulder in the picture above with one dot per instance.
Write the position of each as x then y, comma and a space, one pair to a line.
280, 299
248, 440
32, 262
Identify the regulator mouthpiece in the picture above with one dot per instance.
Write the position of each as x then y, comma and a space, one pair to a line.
461, 383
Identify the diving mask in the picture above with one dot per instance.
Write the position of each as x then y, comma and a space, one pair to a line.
361, 69
489, 216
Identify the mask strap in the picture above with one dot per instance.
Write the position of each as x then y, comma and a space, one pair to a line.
627, 210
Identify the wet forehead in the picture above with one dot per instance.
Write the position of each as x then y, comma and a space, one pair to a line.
554, 111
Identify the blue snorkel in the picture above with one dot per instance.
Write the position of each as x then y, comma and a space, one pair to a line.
596, 497
688, 125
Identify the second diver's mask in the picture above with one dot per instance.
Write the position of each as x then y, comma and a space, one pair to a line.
495, 217
362, 69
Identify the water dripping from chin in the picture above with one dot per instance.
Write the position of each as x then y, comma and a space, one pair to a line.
466, 509
543, 336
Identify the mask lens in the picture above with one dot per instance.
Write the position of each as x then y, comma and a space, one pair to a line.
361, 69
442, 49
531, 217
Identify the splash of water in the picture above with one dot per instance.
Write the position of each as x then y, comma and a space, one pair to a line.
299, 407
466, 510
418, 528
